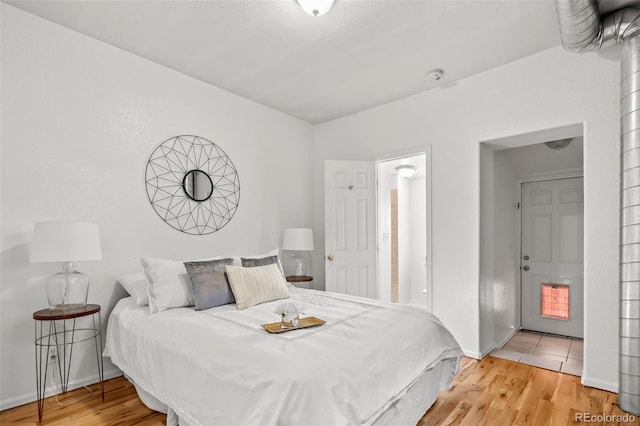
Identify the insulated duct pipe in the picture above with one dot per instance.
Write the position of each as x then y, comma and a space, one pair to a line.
629, 346
583, 30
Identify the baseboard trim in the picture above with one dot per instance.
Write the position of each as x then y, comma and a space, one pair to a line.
486, 351
508, 337
599, 384
50, 390
472, 354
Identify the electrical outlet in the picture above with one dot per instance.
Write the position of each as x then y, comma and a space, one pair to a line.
53, 354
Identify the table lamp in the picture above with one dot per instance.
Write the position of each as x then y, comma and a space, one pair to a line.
66, 242
298, 239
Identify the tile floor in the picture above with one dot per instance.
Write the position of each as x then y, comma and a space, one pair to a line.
557, 353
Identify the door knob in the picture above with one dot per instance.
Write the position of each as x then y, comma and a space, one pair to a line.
526, 257
525, 267
330, 258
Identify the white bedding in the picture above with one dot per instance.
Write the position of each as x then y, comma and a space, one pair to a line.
220, 367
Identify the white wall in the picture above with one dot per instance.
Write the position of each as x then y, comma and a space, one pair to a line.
404, 240
486, 336
547, 90
387, 180
506, 249
79, 120
418, 249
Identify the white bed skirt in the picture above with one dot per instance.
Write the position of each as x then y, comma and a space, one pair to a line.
408, 410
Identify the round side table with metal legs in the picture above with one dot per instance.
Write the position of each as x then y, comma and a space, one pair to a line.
62, 332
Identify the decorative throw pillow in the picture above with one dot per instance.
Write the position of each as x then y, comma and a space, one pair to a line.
169, 284
209, 281
260, 284
256, 257
137, 286
258, 261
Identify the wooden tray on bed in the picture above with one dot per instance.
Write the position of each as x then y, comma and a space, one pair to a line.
276, 327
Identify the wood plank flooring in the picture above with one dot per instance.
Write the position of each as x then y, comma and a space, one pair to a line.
489, 392
496, 391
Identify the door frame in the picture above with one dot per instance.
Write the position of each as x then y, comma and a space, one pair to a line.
419, 150
540, 177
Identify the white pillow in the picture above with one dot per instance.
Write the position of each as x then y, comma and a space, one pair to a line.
137, 286
255, 285
169, 284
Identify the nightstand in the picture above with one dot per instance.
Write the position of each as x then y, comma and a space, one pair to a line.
301, 281
62, 334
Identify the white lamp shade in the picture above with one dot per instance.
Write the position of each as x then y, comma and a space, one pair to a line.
316, 7
298, 239
65, 242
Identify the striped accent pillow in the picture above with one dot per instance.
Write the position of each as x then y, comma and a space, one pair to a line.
259, 284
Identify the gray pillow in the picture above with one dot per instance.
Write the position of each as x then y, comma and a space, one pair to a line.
263, 261
209, 281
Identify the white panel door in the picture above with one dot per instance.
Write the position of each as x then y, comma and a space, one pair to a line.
350, 228
552, 256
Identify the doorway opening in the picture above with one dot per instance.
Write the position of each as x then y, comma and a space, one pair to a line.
505, 164
358, 227
403, 224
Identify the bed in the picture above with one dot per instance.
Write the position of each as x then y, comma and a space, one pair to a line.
371, 363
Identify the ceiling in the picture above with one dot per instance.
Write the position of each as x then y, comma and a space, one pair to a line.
363, 53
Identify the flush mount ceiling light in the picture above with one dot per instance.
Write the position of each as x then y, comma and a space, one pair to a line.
557, 145
316, 7
406, 170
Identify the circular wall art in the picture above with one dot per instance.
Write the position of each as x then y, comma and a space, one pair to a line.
192, 184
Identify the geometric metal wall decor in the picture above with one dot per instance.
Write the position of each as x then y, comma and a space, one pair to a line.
192, 184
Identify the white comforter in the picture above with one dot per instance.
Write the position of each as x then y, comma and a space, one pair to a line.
219, 367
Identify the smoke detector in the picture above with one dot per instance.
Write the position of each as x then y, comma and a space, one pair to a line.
435, 75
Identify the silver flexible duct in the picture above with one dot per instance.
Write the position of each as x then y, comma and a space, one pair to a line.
582, 30
580, 26
629, 346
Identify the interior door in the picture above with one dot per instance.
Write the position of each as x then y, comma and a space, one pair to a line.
552, 256
350, 229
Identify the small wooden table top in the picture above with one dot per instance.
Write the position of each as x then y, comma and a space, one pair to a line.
299, 278
67, 312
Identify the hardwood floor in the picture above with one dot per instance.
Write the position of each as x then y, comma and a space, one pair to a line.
496, 391
121, 407
489, 392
